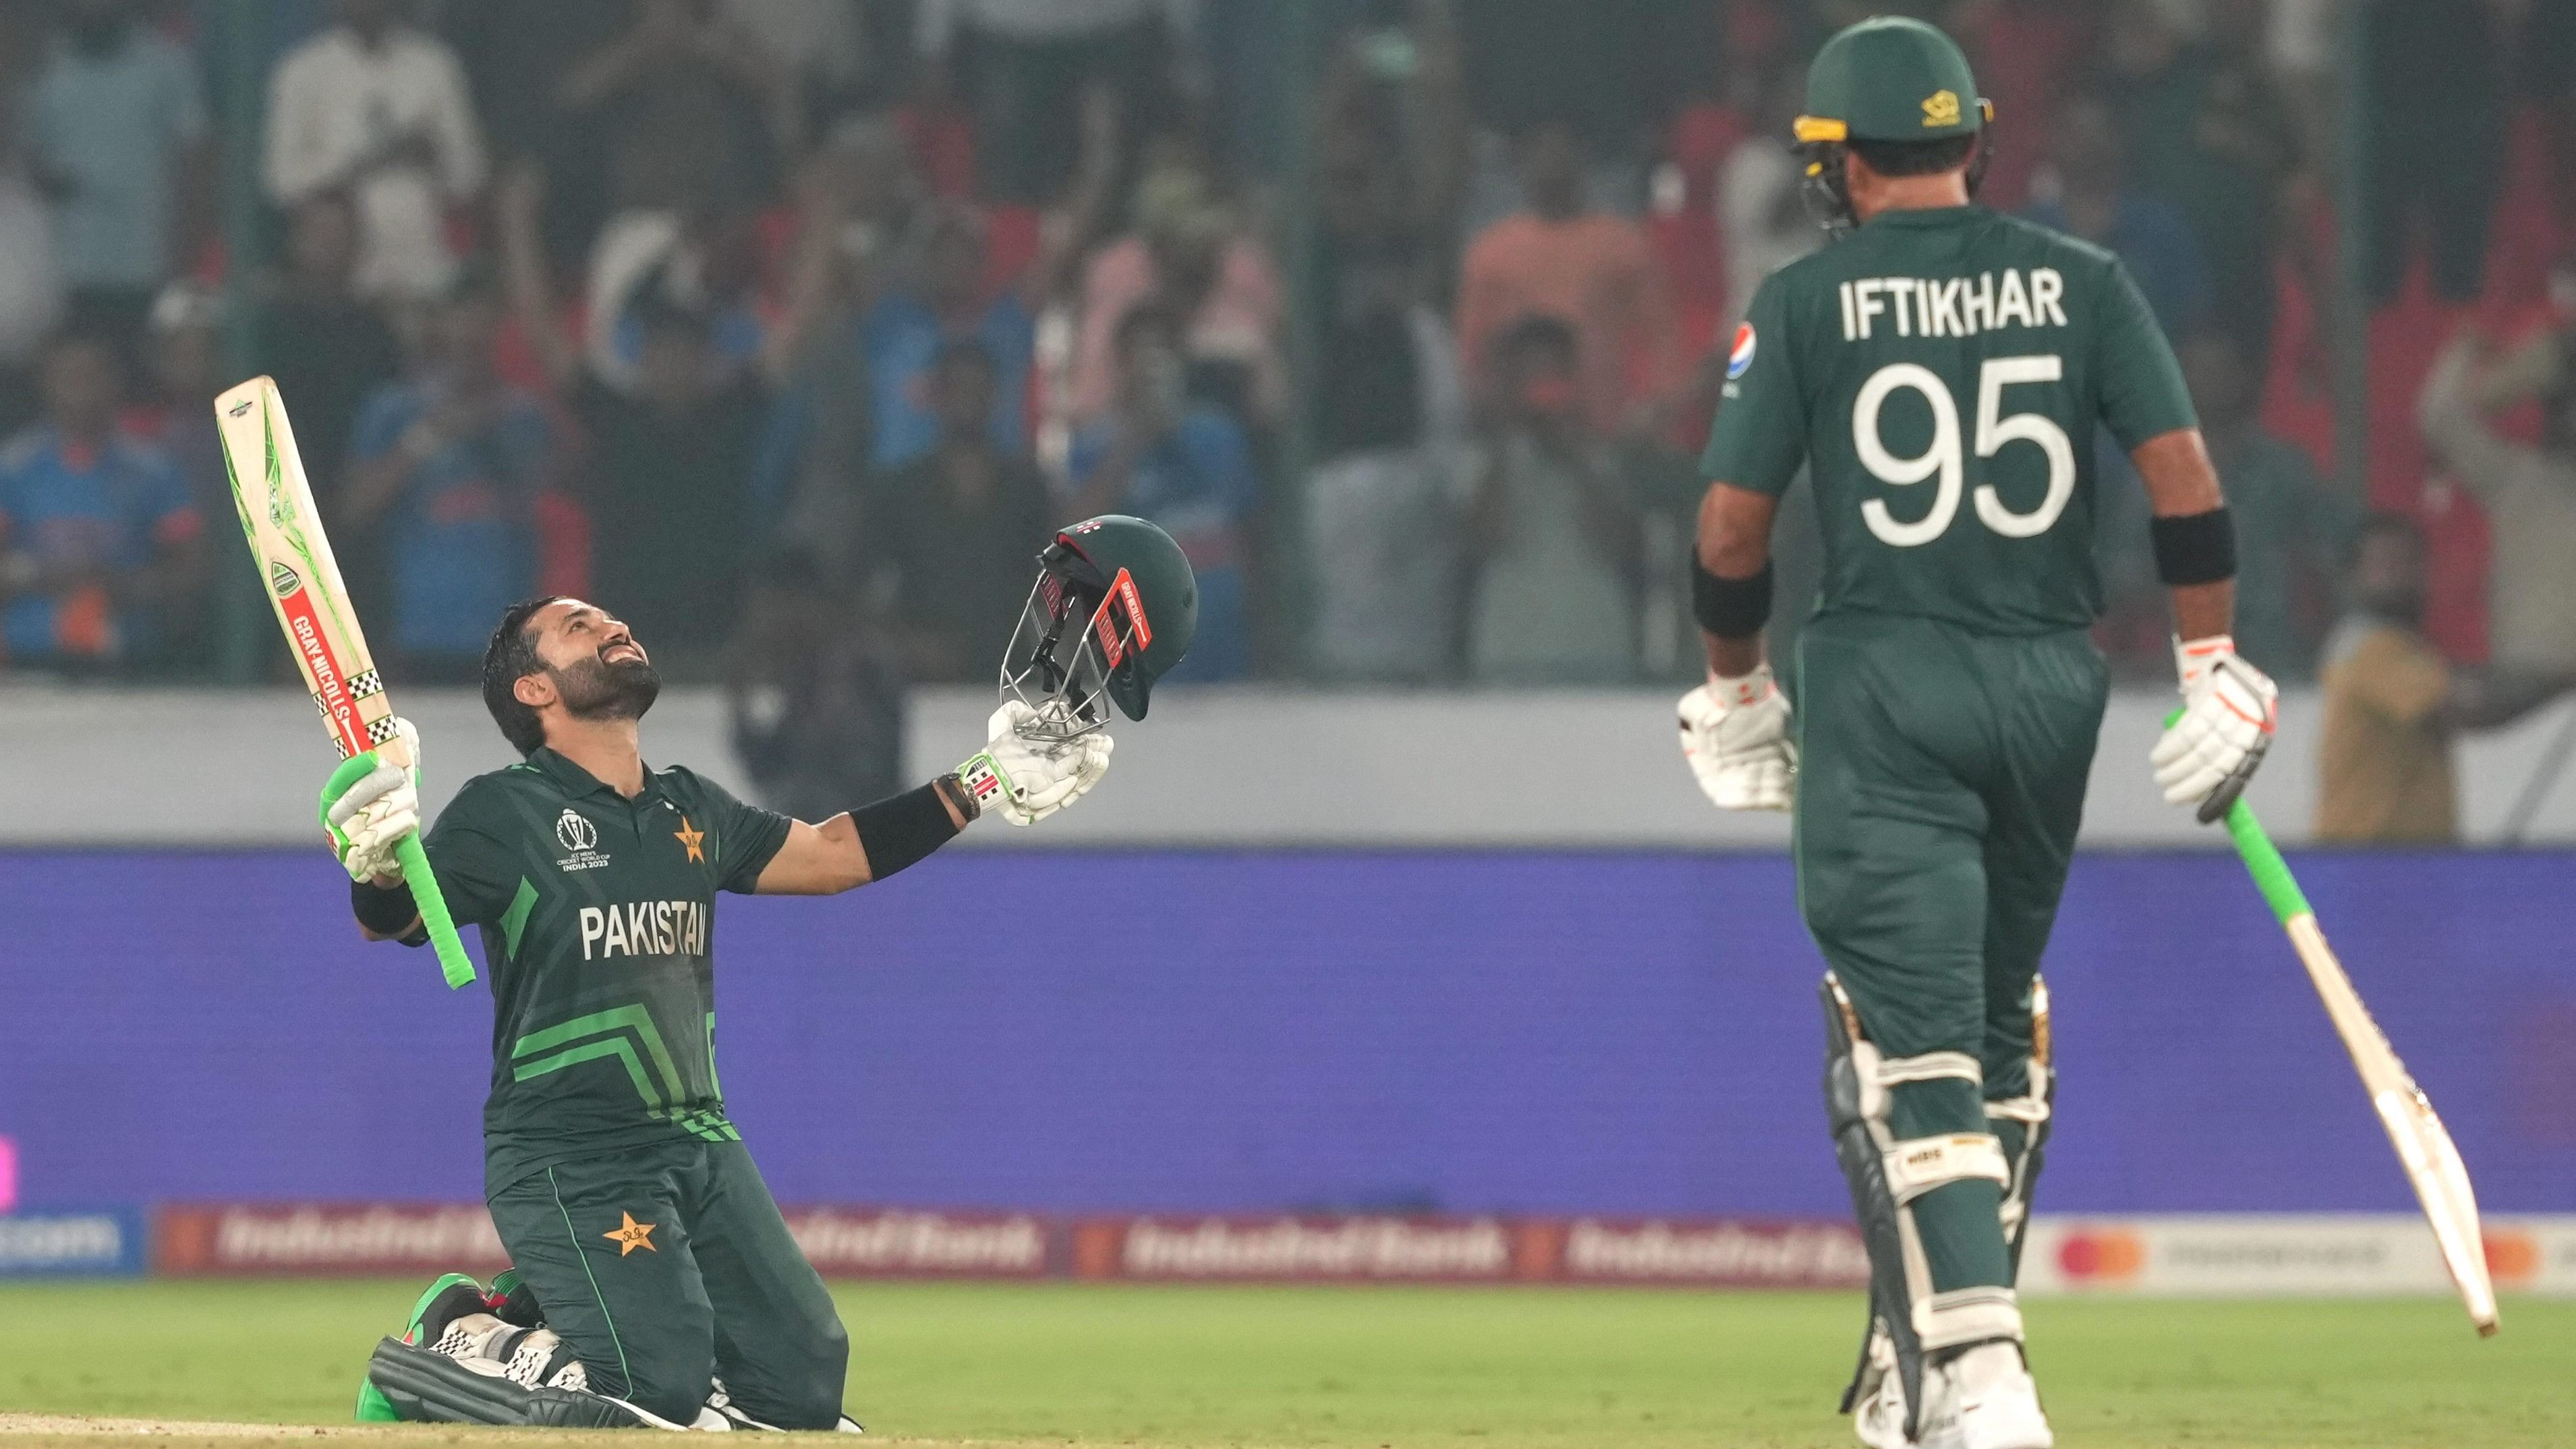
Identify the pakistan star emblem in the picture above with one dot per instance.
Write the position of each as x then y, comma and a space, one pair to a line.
690, 838
632, 1235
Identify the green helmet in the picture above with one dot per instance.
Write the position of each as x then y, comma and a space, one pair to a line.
1114, 608
1887, 79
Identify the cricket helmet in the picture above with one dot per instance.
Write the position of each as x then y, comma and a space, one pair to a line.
1114, 607
1889, 79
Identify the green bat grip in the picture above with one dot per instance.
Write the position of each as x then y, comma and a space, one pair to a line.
452, 960
2262, 858
2263, 861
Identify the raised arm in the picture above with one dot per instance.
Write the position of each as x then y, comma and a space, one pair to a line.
1025, 779
827, 859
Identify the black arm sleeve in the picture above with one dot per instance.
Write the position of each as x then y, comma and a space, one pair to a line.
902, 829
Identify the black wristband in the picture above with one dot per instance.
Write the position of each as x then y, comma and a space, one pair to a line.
2196, 548
1730, 608
901, 829
387, 911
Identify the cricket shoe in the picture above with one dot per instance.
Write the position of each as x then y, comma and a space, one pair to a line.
1984, 1399
449, 1298
509, 1300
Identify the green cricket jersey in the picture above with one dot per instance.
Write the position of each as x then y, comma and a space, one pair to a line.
1943, 373
598, 917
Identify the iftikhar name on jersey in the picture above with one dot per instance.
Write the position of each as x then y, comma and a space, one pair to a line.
645, 928
1952, 306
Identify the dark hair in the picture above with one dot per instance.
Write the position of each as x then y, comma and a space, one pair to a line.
509, 658
1147, 315
1539, 332
1915, 158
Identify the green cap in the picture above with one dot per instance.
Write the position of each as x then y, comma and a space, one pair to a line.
1891, 79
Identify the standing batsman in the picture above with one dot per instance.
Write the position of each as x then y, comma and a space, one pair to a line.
654, 1282
1941, 371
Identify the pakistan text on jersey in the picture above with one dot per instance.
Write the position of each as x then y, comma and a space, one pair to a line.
1952, 306
645, 928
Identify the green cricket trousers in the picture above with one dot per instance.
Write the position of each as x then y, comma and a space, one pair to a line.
668, 1265
1941, 780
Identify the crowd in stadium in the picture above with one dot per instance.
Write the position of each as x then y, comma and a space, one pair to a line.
784, 326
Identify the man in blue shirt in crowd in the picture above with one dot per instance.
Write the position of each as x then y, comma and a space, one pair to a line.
97, 531
1186, 466
451, 466
906, 330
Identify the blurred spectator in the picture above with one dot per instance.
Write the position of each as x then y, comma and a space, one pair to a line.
2214, 135
911, 325
377, 108
670, 455
689, 84
1553, 538
1387, 412
2529, 494
1185, 466
815, 707
100, 544
329, 349
955, 533
1392, 132
1381, 510
1595, 272
1021, 64
31, 281
116, 133
1761, 201
2087, 194
2292, 532
450, 465
187, 370
683, 239
2392, 705
1190, 257
515, 56
2435, 139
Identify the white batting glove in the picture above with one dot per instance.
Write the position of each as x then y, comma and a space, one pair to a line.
371, 817
1029, 779
1735, 735
2230, 710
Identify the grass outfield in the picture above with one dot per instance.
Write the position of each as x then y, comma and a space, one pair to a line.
1186, 1367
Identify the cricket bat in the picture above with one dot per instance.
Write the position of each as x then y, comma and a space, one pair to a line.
302, 582
2432, 1162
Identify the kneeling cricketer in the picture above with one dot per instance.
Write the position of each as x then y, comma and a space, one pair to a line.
653, 1282
1941, 371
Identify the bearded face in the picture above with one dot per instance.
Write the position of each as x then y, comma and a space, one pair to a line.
615, 682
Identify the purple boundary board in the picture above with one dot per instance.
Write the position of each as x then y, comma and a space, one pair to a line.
1530, 1032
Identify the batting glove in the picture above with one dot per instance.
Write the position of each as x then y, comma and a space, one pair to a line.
1030, 777
2229, 714
368, 811
1735, 735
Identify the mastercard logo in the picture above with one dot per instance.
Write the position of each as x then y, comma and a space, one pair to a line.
2106, 1255
2513, 1258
